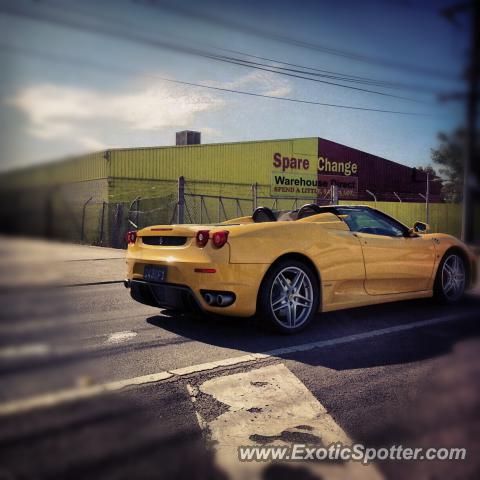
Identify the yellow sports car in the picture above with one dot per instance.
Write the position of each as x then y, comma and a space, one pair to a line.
287, 266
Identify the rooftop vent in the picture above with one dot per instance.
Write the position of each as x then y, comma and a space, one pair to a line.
188, 137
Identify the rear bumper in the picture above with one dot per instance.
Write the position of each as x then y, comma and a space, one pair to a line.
184, 286
171, 297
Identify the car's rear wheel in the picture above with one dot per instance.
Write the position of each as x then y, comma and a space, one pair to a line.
289, 296
451, 278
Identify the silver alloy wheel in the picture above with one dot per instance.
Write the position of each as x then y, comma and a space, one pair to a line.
453, 277
291, 297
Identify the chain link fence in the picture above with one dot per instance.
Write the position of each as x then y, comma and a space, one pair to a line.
53, 213
199, 208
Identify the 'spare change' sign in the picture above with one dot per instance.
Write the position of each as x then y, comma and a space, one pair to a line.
299, 177
322, 165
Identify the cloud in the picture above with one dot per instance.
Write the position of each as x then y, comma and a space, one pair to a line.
61, 112
265, 83
88, 119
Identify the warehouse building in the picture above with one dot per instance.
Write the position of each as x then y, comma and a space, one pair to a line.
96, 197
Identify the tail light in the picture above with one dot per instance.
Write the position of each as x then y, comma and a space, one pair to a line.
131, 237
202, 238
219, 239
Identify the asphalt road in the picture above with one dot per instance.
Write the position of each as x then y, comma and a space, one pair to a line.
406, 373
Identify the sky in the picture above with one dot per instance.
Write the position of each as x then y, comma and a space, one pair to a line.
80, 76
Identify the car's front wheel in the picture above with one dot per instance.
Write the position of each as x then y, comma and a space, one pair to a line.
289, 296
451, 278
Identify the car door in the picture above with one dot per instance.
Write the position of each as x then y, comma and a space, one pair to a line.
395, 262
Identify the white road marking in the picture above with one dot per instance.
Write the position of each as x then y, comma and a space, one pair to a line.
225, 362
370, 334
55, 398
119, 337
65, 320
26, 350
272, 404
43, 350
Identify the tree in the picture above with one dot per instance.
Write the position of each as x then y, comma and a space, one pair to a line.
428, 169
449, 156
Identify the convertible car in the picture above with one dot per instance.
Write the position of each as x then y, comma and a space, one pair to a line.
285, 267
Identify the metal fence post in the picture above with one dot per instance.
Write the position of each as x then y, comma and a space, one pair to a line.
255, 196
137, 212
102, 223
181, 200
374, 197
117, 231
223, 208
82, 234
334, 195
133, 205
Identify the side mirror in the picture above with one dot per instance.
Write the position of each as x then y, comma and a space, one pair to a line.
420, 227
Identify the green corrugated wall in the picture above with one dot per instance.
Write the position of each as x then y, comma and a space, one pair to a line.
79, 169
151, 171
223, 162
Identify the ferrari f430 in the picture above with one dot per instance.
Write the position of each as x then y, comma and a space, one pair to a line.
285, 267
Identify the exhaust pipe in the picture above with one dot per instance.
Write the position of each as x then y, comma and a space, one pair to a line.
209, 298
224, 300
216, 299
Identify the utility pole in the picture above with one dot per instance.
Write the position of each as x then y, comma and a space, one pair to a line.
471, 171
427, 200
471, 175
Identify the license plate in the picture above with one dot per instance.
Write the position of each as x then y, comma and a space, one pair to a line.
154, 273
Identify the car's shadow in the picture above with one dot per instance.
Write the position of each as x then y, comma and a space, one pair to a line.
401, 345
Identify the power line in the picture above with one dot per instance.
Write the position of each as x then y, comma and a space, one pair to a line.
307, 70
341, 76
109, 69
179, 9
174, 47
188, 50
303, 77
